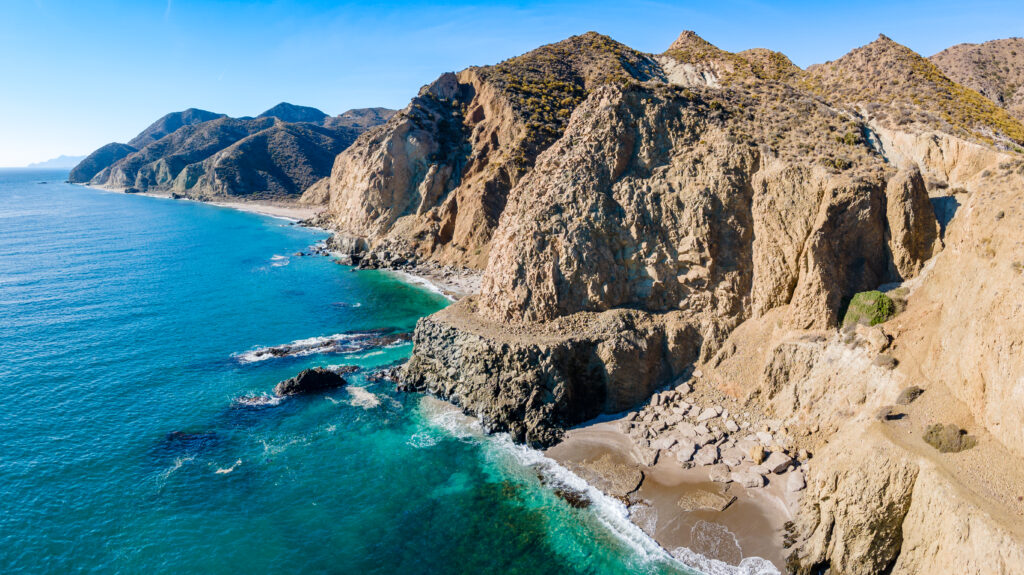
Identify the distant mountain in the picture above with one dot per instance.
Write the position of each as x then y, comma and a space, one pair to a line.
59, 162
995, 69
204, 155
292, 113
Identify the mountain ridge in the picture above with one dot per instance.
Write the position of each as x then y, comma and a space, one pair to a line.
204, 155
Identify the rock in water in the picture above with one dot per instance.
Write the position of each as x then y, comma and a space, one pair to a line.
310, 381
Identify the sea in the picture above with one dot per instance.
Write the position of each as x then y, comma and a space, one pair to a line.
139, 432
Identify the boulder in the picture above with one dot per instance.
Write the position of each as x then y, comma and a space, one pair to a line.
685, 451
756, 454
708, 413
719, 473
796, 482
707, 455
748, 479
778, 462
310, 381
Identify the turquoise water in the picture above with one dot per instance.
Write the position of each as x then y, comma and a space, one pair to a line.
126, 444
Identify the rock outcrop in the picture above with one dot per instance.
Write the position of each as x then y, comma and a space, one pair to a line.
312, 380
203, 155
433, 182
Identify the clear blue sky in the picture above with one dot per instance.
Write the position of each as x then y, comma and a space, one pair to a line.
76, 74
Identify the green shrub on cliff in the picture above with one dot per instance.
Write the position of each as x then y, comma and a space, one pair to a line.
869, 308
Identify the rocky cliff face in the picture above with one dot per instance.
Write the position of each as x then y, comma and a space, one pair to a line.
703, 207
433, 182
719, 214
203, 155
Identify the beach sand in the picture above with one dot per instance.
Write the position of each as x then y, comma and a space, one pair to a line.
287, 210
681, 507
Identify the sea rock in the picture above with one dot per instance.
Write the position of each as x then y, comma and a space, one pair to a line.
731, 426
310, 381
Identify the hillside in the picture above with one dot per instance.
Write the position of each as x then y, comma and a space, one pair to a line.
995, 69
903, 90
699, 224
197, 154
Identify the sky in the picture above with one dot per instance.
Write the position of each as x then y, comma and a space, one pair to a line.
77, 74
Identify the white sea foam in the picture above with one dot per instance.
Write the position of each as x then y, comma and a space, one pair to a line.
360, 397
337, 343
225, 470
610, 513
279, 261
179, 462
421, 282
423, 439
261, 400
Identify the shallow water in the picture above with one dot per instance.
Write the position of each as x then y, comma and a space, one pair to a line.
137, 438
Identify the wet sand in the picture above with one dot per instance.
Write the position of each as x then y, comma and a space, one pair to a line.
681, 507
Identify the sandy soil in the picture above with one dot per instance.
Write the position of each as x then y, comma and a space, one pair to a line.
685, 508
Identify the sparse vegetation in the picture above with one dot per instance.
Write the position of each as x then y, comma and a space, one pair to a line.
948, 438
869, 308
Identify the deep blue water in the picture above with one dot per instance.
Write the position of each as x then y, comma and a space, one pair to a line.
125, 445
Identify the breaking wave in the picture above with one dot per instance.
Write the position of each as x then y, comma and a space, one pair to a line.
331, 344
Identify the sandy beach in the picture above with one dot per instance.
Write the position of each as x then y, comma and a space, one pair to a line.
681, 508
286, 210
452, 283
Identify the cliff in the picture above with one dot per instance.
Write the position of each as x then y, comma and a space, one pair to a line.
715, 217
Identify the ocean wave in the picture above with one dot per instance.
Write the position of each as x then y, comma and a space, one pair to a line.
279, 261
261, 400
226, 470
332, 344
613, 515
421, 282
